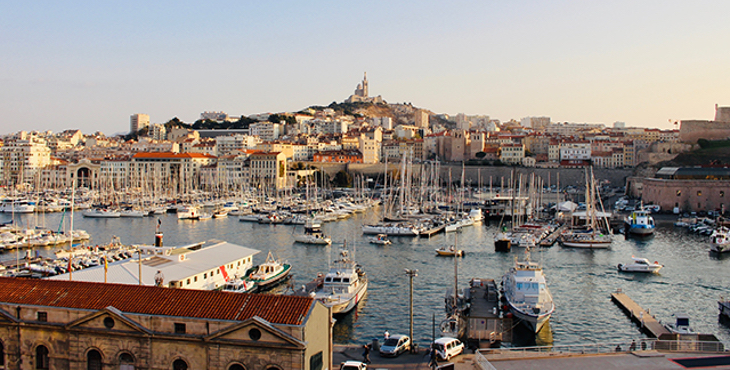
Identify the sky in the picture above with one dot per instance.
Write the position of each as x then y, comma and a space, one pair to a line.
90, 65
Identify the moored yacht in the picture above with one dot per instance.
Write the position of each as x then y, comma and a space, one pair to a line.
344, 285
720, 239
527, 294
312, 234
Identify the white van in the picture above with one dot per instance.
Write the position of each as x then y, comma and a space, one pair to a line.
446, 347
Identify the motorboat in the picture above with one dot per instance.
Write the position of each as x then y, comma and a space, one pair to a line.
380, 239
724, 306
680, 325
391, 229
502, 241
344, 285
239, 285
639, 222
527, 295
188, 213
221, 213
100, 213
640, 265
449, 251
270, 273
17, 206
313, 234
720, 239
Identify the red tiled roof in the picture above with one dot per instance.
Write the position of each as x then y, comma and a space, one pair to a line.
280, 309
171, 155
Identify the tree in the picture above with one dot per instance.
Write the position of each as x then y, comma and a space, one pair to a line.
342, 179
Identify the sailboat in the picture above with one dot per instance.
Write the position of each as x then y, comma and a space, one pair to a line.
591, 236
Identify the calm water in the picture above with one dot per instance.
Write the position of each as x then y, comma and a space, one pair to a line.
580, 280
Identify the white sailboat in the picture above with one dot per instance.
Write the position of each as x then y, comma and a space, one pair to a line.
592, 236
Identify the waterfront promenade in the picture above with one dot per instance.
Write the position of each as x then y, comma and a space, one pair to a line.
639, 360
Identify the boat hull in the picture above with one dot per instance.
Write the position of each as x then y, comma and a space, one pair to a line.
586, 244
343, 306
533, 322
271, 281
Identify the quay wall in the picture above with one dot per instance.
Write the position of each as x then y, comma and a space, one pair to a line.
482, 174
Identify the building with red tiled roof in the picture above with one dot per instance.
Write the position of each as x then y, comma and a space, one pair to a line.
47, 324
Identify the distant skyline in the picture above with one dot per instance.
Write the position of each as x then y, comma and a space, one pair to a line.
91, 65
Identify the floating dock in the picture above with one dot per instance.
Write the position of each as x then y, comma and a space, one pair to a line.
485, 324
647, 323
549, 240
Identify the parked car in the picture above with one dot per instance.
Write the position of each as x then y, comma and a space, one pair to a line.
446, 347
395, 345
353, 365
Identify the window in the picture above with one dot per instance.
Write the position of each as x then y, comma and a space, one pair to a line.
699, 193
108, 322
195, 278
179, 328
254, 334
2, 355
315, 362
205, 276
41, 358
679, 192
188, 281
43, 316
93, 360
236, 367
126, 361
179, 365
722, 193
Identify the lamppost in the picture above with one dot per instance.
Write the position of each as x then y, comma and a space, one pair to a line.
411, 274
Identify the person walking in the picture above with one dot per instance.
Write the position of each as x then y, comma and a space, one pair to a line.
366, 354
386, 335
433, 362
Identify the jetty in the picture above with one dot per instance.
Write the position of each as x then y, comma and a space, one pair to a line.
549, 240
647, 323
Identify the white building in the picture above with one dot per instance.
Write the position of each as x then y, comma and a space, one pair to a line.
23, 156
196, 266
575, 151
267, 131
536, 123
385, 122
138, 121
228, 144
268, 170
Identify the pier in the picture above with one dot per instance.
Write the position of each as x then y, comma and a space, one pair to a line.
549, 240
647, 323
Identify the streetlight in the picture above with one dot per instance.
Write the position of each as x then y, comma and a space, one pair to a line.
411, 274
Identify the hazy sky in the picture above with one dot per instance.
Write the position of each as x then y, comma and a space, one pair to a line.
90, 65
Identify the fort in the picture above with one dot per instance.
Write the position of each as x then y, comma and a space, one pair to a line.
692, 130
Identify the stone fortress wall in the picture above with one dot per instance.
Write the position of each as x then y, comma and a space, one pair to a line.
692, 130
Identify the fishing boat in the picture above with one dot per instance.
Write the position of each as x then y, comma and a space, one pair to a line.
640, 265
527, 295
502, 240
720, 239
344, 285
380, 239
640, 222
239, 285
312, 234
449, 251
270, 273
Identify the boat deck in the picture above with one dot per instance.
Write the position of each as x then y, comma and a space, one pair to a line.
647, 323
486, 325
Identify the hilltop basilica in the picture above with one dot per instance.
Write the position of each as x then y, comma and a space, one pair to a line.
361, 94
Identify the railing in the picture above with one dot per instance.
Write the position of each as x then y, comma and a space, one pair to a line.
480, 357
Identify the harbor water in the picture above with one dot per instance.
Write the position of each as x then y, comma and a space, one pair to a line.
580, 281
